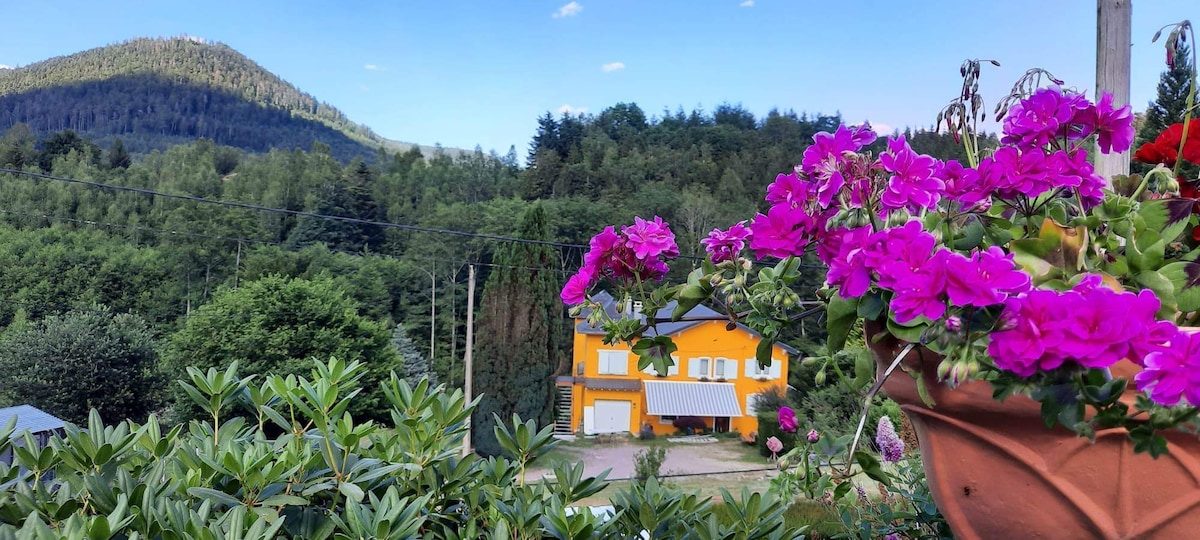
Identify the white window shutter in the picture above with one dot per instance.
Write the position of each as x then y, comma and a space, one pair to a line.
619, 363
674, 369
751, 401
731, 369
776, 369
603, 363
751, 366
693, 368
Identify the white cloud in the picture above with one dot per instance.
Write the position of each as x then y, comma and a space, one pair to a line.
747, 3
881, 129
569, 10
3, 66
372, 67
364, 88
567, 109
612, 66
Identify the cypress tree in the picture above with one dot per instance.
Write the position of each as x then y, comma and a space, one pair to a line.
118, 158
518, 335
1168, 108
413, 364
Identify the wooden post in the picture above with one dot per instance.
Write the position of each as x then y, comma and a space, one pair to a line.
467, 364
1114, 31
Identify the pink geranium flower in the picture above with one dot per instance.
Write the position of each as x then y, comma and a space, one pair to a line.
725, 245
782, 232
650, 239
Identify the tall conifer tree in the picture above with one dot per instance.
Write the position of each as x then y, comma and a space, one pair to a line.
518, 335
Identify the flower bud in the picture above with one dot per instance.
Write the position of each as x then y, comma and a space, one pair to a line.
715, 280
1171, 185
819, 378
943, 369
739, 280
898, 218
953, 323
813, 436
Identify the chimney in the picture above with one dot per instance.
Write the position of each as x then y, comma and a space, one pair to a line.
633, 309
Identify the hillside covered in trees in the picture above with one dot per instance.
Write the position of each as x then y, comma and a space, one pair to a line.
69, 250
156, 93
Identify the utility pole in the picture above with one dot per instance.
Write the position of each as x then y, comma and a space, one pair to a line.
1114, 32
467, 364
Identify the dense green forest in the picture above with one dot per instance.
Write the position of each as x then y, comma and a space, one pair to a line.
156, 93
67, 247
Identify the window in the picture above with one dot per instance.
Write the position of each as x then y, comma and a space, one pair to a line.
614, 362
725, 368
699, 367
751, 404
666, 420
755, 371
671, 371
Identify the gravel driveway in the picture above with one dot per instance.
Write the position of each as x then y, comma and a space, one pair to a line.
721, 456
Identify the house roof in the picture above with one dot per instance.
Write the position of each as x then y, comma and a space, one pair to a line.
594, 383
30, 418
677, 398
697, 316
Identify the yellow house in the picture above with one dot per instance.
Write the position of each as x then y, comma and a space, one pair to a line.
715, 377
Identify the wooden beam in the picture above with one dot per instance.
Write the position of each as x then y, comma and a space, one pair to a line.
1114, 31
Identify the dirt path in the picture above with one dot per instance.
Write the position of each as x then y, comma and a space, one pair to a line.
722, 456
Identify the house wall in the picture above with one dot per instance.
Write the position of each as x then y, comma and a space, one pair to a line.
709, 339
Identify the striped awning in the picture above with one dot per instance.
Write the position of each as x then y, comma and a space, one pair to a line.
668, 398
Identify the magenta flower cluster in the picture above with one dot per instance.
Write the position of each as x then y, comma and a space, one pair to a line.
1053, 117
724, 245
638, 252
923, 277
1090, 325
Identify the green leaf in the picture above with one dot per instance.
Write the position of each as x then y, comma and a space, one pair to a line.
655, 351
841, 315
1146, 250
870, 466
351, 491
690, 297
910, 331
217, 497
764, 352
1162, 287
972, 235
1185, 281
871, 306
1169, 217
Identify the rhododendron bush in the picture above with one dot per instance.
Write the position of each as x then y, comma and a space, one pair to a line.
1021, 266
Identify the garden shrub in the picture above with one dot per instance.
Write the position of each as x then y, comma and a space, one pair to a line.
648, 463
690, 425
328, 475
768, 426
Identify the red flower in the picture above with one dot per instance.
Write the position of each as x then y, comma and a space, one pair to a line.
1165, 148
1155, 153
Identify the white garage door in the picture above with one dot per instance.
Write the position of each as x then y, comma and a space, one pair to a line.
612, 416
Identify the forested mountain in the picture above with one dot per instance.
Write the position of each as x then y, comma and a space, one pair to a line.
65, 246
155, 93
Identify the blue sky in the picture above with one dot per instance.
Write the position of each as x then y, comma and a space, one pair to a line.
464, 73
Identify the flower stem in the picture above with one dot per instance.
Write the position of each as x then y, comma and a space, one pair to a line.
1191, 102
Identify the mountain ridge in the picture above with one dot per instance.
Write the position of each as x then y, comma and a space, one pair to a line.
96, 92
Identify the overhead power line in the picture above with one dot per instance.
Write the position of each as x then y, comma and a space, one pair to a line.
300, 213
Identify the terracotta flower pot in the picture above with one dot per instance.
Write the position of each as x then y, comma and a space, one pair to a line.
996, 471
